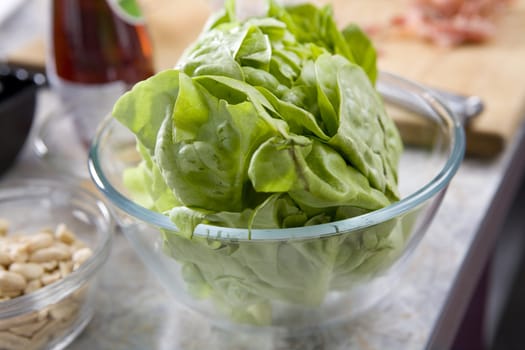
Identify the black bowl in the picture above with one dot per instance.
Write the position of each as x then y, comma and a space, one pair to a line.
18, 87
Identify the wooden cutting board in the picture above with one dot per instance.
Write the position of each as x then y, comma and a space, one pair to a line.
494, 71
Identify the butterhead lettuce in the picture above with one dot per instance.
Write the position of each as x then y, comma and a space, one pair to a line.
268, 122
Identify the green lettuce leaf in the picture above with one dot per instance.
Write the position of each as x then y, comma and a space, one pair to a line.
270, 122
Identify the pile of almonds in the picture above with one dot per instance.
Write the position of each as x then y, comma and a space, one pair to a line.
30, 262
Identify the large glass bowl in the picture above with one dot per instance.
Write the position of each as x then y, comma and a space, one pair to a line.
294, 277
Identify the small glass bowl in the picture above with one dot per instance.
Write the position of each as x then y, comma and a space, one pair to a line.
52, 317
294, 278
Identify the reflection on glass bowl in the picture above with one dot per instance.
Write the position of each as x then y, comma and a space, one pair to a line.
294, 277
57, 146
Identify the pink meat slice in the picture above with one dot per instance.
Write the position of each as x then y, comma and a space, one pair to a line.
451, 22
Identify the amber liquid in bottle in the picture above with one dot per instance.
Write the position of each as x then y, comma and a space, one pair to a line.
93, 44
95, 55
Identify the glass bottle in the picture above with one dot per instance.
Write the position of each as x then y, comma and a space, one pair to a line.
98, 49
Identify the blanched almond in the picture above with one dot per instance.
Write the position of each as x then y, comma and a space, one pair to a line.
64, 235
49, 254
39, 241
11, 282
30, 271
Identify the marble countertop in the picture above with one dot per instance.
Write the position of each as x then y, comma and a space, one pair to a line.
133, 311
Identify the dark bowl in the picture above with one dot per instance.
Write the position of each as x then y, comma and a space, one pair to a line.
18, 87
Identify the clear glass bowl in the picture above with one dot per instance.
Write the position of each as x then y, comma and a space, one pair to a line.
51, 317
297, 277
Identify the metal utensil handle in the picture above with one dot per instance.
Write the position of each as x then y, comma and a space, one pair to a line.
465, 107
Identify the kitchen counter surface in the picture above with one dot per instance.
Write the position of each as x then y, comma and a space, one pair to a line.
134, 312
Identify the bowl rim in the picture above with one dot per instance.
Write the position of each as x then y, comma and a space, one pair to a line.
55, 292
438, 183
